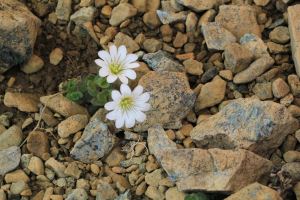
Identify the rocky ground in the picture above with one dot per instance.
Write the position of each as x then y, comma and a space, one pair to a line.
225, 100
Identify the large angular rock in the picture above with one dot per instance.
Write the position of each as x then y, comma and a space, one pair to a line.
95, 142
11, 137
259, 126
198, 5
214, 170
18, 31
255, 44
62, 105
9, 159
255, 191
217, 37
122, 12
171, 99
239, 20
162, 61
294, 27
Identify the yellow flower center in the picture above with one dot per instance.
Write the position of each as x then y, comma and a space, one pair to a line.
115, 68
126, 103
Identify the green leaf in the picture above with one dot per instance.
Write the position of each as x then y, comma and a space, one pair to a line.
71, 86
196, 196
101, 82
91, 88
74, 96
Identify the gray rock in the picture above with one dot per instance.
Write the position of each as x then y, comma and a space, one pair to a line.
9, 159
158, 141
198, 5
256, 45
18, 32
83, 15
167, 17
11, 137
216, 37
125, 196
214, 170
162, 61
78, 194
63, 9
292, 169
171, 99
95, 142
259, 126
256, 68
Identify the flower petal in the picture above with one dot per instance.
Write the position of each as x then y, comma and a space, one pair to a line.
120, 122
113, 115
123, 79
129, 120
131, 58
125, 90
113, 52
138, 90
115, 95
104, 55
101, 63
103, 72
142, 106
111, 78
122, 51
110, 105
130, 74
132, 65
144, 97
140, 116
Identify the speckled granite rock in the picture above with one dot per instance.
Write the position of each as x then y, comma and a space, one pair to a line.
171, 99
9, 159
18, 31
95, 142
214, 170
259, 126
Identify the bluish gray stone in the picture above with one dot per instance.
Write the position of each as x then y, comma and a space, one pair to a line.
9, 159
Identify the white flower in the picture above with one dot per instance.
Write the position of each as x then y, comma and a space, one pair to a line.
128, 106
117, 64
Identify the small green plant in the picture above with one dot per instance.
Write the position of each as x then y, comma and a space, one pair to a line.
90, 89
196, 196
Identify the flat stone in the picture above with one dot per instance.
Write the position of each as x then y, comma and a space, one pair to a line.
72, 125
255, 44
180, 40
9, 159
294, 84
291, 156
78, 194
256, 68
214, 170
280, 88
34, 64
37, 143
153, 193
154, 177
174, 194
216, 37
193, 67
255, 191
239, 20
25, 102
152, 45
63, 9
122, 12
237, 57
211, 94
171, 99
280, 35
36, 165
151, 19
294, 27
130, 44
263, 90
62, 105
11, 137
167, 17
246, 123
162, 61
292, 169
56, 166
83, 15
95, 142
17, 175
198, 5
18, 32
